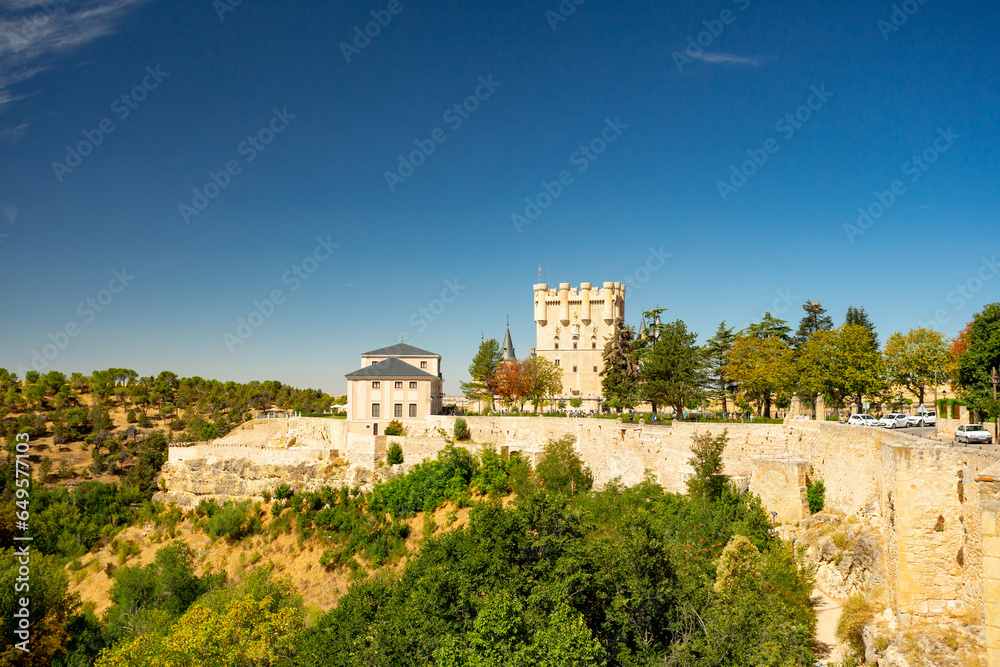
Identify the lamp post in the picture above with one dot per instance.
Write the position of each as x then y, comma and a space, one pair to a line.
774, 515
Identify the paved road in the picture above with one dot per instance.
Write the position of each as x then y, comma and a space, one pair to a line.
827, 615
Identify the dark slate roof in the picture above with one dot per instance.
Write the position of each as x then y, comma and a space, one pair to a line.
400, 350
391, 367
508, 347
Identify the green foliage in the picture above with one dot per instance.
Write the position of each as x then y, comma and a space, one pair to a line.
234, 521
561, 470
394, 455
483, 372
493, 474
857, 613
395, 428
708, 480
815, 495
673, 368
283, 492
461, 430
208, 432
427, 486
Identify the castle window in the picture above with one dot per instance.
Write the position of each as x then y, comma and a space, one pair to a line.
413, 409
557, 362
574, 369
376, 385
399, 384
397, 410
557, 346
574, 346
595, 369
376, 410
593, 346
413, 385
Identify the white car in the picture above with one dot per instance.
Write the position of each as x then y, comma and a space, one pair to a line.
893, 420
973, 434
862, 420
925, 418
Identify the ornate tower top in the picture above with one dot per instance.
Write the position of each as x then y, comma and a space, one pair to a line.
508, 346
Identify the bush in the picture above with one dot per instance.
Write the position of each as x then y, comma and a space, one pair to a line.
815, 494
461, 430
856, 615
395, 428
395, 454
145, 421
130, 417
208, 432
560, 469
177, 425
283, 492
234, 522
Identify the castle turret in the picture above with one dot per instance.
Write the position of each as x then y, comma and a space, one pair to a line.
585, 303
564, 303
541, 311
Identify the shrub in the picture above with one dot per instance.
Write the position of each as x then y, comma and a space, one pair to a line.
857, 613
395, 428
461, 430
560, 469
266, 495
234, 522
145, 421
395, 454
177, 425
208, 432
815, 495
130, 417
283, 492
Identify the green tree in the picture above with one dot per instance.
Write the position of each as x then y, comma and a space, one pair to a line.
919, 357
769, 327
483, 372
561, 469
720, 386
620, 374
760, 367
859, 317
672, 369
814, 321
540, 379
974, 368
708, 481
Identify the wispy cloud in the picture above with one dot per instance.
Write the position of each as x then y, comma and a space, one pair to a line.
35, 33
726, 59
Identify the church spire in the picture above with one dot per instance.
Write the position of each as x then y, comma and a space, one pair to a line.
508, 346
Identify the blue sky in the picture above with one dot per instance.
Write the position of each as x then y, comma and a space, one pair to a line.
215, 155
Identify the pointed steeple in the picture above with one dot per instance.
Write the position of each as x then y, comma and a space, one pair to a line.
508, 346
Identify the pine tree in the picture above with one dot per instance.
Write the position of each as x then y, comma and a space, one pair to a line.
814, 321
715, 359
483, 372
673, 369
620, 376
770, 327
860, 317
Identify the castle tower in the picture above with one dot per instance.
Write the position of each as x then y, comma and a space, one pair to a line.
572, 326
508, 346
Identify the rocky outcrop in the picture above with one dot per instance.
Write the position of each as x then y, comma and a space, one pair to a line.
188, 482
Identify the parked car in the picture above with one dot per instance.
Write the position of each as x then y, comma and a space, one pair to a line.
973, 434
894, 420
922, 418
862, 420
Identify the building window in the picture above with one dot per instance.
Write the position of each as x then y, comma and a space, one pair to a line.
376, 385
595, 369
423, 364
376, 411
413, 385
413, 409
374, 362
593, 346
574, 346
557, 346
557, 362
399, 384
397, 410
574, 369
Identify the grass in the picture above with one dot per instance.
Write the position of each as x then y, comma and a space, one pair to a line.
857, 613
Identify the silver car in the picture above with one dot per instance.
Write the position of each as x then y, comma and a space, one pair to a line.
893, 420
973, 434
925, 418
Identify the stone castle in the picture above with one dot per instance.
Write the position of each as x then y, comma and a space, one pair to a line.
571, 327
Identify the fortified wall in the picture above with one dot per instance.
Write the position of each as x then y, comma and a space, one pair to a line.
937, 503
